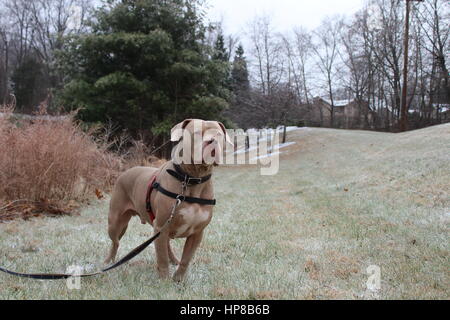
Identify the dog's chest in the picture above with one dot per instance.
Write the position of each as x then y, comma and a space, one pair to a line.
189, 220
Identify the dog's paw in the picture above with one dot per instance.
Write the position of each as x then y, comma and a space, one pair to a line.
163, 273
108, 261
179, 276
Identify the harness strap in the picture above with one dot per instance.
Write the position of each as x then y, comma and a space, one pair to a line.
172, 195
148, 204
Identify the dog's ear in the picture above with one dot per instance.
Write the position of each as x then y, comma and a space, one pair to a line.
227, 137
177, 132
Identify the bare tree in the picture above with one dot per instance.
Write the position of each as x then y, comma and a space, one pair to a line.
433, 18
298, 54
326, 51
267, 51
31, 32
357, 61
388, 48
52, 21
19, 23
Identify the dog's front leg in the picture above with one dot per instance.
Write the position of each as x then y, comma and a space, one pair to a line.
190, 246
162, 255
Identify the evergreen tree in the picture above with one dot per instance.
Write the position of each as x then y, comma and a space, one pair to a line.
239, 73
220, 52
29, 84
240, 86
144, 66
220, 55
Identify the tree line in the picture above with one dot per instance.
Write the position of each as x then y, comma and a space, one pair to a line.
145, 64
31, 33
306, 76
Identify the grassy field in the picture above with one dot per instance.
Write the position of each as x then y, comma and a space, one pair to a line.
342, 201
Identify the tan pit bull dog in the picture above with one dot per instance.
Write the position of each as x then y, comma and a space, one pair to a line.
136, 185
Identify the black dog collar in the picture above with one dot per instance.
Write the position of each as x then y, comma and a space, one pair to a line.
182, 176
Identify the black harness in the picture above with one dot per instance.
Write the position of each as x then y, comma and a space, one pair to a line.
210, 202
186, 180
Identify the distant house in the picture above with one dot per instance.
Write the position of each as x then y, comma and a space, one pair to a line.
349, 114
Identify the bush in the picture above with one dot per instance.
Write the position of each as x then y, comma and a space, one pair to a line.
52, 159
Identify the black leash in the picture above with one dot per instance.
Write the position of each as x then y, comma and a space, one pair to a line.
57, 276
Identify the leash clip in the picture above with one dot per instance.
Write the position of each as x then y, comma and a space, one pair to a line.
180, 198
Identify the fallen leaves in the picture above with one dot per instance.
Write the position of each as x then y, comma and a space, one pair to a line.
99, 194
312, 268
267, 295
225, 292
343, 266
27, 209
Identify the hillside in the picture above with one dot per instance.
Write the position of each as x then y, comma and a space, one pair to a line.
341, 202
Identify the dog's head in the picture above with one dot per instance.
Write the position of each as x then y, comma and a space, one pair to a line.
202, 142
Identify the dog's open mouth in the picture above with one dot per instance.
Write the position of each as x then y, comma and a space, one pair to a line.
209, 151
207, 147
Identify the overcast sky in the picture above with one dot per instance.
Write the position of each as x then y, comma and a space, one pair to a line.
285, 14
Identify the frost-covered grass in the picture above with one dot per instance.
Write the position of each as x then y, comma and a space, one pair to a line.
342, 201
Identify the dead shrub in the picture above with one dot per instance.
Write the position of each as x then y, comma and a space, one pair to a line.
49, 163
52, 159
140, 155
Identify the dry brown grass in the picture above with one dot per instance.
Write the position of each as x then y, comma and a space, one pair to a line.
45, 162
52, 160
140, 155
49, 164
